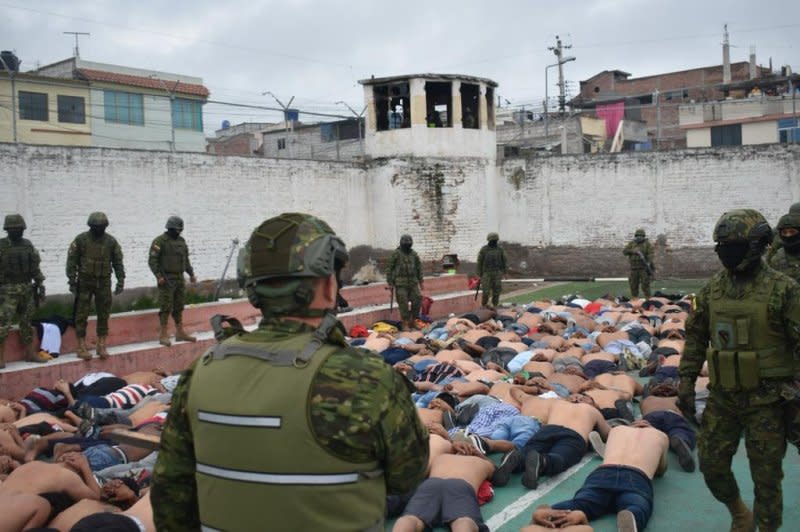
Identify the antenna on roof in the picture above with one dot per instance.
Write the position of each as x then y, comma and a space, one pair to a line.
76, 51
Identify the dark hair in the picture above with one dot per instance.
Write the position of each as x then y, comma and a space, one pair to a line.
105, 522
448, 398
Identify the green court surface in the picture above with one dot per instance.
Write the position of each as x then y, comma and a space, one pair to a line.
682, 501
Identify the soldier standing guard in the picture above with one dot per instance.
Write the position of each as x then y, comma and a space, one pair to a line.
492, 265
746, 325
786, 258
169, 259
640, 254
404, 275
90, 259
19, 265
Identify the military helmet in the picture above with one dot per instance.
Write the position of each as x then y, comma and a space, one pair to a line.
294, 247
640, 232
174, 222
97, 218
743, 225
791, 219
492, 236
795, 208
406, 239
14, 221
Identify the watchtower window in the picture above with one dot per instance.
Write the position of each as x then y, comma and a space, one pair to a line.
470, 104
439, 103
392, 106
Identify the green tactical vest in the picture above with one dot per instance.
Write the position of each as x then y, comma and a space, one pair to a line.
785, 263
16, 261
173, 256
259, 466
493, 260
96, 257
746, 346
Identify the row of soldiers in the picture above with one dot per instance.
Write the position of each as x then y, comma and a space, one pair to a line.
91, 259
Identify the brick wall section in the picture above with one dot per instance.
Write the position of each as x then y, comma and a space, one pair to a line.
559, 214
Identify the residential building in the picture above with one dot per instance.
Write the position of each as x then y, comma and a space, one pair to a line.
137, 108
243, 139
341, 140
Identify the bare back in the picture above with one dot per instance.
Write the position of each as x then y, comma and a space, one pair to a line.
470, 468
637, 447
580, 417
654, 403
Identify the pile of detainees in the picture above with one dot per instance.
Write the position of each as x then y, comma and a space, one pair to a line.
61, 467
498, 380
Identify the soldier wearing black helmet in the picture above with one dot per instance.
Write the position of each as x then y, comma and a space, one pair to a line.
746, 326
777, 241
404, 274
19, 267
168, 260
91, 258
287, 423
640, 255
786, 257
492, 265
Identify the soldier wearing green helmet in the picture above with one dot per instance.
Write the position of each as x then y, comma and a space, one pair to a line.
91, 258
777, 242
19, 267
640, 256
404, 275
492, 265
786, 255
168, 260
287, 421
746, 326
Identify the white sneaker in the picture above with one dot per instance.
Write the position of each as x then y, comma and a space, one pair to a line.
597, 443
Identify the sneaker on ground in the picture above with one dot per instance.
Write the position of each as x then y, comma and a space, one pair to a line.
507, 465
626, 522
685, 456
597, 442
533, 464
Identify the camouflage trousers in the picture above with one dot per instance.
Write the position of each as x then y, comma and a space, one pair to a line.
404, 295
639, 278
492, 287
726, 417
100, 290
171, 296
16, 305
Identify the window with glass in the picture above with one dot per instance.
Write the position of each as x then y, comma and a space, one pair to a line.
187, 114
123, 108
789, 130
71, 109
726, 135
33, 106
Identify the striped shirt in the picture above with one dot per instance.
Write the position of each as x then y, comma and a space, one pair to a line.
129, 396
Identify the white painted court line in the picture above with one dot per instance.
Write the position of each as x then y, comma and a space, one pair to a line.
517, 507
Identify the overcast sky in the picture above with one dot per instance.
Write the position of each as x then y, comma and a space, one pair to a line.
316, 50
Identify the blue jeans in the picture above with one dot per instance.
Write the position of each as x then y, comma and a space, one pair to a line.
672, 424
103, 456
561, 447
611, 489
516, 429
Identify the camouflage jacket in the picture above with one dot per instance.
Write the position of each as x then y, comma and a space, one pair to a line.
631, 249
783, 305
92, 258
404, 269
492, 260
169, 257
361, 410
19, 262
786, 263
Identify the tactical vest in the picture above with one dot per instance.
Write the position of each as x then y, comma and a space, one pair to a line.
746, 346
259, 466
787, 264
405, 269
493, 260
96, 257
173, 256
16, 261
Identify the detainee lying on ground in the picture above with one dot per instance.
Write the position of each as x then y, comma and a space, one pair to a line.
622, 484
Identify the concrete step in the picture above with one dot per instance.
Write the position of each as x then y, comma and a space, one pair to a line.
19, 377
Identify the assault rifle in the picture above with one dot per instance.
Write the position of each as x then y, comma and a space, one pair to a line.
647, 265
38, 294
477, 289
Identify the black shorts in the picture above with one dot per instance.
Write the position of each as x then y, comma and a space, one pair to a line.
440, 501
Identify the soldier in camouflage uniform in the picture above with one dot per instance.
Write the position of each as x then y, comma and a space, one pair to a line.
287, 428
640, 254
90, 260
404, 275
777, 242
746, 325
169, 259
787, 257
492, 265
19, 266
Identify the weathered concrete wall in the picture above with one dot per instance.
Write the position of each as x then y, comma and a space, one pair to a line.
560, 215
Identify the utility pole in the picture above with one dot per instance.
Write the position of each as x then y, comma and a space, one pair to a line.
12, 72
285, 118
558, 50
171, 93
657, 96
76, 51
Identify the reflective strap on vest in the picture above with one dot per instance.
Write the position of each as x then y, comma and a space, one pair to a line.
377, 527
272, 422
273, 478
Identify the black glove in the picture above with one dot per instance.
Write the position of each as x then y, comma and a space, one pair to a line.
119, 288
73, 288
686, 398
